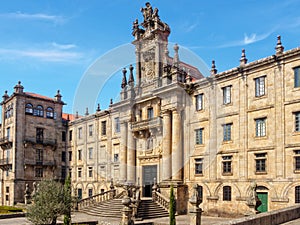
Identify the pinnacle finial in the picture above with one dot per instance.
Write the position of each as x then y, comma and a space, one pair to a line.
111, 101
176, 56
213, 70
87, 111
243, 60
98, 108
279, 48
131, 77
76, 115
124, 80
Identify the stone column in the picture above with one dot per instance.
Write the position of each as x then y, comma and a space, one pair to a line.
131, 156
167, 168
177, 161
123, 152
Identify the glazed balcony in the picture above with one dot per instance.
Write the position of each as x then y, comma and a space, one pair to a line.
50, 163
5, 164
5, 143
40, 141
147, 124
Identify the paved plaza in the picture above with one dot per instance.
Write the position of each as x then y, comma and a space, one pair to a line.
180, 220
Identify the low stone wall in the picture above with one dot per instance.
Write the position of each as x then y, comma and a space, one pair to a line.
274, 217
11, 215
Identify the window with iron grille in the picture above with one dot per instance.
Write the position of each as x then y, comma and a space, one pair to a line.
199, 136
199, 102
227, 167
226, 193
117, 124
297, 77
226, 95
297, 194
39, 135
260, 86
227, 132
297, 160
199, 166
260, 162
79, 170
103, 128
90, 171
260, 125
297, 121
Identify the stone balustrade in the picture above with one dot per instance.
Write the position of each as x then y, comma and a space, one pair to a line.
161, 200
90, 201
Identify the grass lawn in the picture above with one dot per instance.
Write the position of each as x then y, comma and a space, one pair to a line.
9, 209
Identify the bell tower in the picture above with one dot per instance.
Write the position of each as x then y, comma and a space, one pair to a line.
151, 48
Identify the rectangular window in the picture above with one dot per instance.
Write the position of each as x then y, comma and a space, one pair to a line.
199, 102
63, 156
116, 158
297, 121
260, 127
79, 193
226, 95
103, 128
70, 135
63, 172
90, 130
70, 156
79, 172
39, 172
199, 136
260, 162
227, 132
199, 166
39, 135
117, 124
150, 113
39, 156
8, 133
260, 86
90, 153
90, 192
226, 161
79, 154
90, 171
297, 160
79, 132
297, 194
297, 77
63, 136
226, 193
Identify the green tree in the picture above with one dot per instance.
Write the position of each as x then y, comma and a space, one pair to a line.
67, 201
172, 208
48, 203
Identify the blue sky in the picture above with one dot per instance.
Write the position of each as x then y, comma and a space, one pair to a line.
50, 45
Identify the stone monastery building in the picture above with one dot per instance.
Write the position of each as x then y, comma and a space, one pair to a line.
228, 132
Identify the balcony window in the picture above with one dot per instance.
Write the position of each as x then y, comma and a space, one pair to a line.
29, 109
38, 111
39, 135
199, 102
260, 86
103, 128
150, 113
50, 113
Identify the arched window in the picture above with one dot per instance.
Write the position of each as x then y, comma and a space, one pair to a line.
29, 109
49, 113
297, 194
226, 193
39, 111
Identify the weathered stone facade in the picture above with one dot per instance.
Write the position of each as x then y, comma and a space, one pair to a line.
222, 132
31, 142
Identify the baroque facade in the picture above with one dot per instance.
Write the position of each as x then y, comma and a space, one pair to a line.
227, 132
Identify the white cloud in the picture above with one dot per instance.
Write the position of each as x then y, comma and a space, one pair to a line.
37, 16
41, 54
63, 46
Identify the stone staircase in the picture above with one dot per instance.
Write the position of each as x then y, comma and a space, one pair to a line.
112, 209
149, 210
